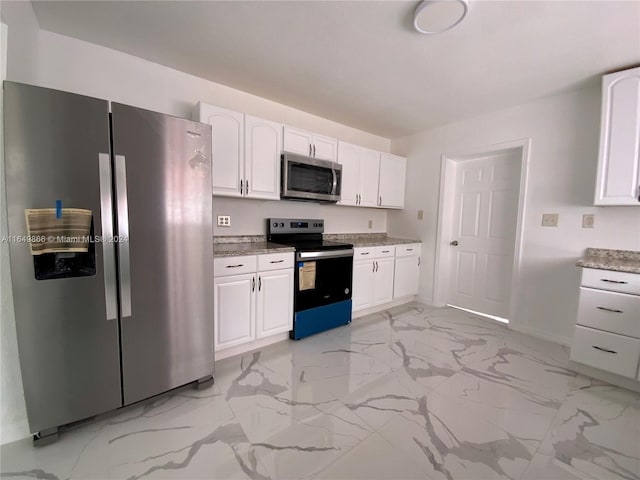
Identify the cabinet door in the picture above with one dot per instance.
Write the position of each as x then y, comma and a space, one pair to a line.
262, 148
297, 141
234, 312
275, 302
407, 275
349, 158
369, 172
325, 148
363, 276
393, 171
383, 282
618, 180
227, 148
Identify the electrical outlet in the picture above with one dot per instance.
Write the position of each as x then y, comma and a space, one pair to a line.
550, 219
224, 220
420, 214
370, 223
588, 220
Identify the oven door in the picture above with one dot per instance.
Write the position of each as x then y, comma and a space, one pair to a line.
322, 278
310, 178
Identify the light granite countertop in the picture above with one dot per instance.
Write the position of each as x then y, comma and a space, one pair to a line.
231, 246
369, 239
616, 260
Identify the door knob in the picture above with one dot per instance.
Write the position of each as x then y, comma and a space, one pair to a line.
454, 243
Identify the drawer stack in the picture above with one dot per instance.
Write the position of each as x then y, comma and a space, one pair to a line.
607, 332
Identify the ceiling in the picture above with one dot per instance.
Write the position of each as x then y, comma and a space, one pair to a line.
359, 62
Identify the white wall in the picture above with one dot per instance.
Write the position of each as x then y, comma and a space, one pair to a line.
247, 216
46, 59
565, 131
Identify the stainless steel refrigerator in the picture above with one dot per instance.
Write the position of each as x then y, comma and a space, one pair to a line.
128, 318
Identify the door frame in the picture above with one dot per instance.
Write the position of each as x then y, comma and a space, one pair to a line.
449, 161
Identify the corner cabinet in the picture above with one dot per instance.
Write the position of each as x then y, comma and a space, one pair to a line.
407, 270
245, 151
618, 177
310, 144
253, 298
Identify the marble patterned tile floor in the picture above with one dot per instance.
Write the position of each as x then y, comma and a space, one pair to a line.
410, 393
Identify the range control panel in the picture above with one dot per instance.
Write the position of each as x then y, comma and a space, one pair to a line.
294, 225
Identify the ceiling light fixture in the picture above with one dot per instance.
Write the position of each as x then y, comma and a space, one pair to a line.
437, 16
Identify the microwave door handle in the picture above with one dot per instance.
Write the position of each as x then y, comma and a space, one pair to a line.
334, 188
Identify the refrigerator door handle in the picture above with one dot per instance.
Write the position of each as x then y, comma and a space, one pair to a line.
123, 236
108, 249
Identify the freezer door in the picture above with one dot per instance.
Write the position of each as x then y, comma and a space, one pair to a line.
57, 148
163, 188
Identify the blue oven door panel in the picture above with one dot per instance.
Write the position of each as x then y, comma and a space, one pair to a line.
315, 320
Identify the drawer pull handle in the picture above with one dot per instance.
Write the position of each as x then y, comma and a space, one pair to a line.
409, 249
364, 253
613, 281
604, 349
386, 251
614, 310
276, 261
235, 266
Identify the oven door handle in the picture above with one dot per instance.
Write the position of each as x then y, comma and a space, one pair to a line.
325, 254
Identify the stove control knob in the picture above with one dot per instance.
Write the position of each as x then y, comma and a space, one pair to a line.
319, 224
275, 224
282, 224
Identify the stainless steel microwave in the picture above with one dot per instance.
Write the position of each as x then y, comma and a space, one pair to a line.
306, 178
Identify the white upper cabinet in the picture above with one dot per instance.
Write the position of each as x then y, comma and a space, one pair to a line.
227, 147
349, 158
310, 144
262, 147
246, 153
393, 170
369, 174
618, 181
360, 168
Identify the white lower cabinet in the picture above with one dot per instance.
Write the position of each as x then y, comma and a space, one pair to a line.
274, 302
607, 334
234, 312
251, 306
373, 276
607, 351
407, 271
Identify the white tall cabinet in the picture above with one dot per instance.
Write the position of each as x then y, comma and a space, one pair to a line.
245, 152
618, 178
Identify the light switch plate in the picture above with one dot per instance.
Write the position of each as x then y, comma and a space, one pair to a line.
588, 220
224, 220
550, 219
420, 214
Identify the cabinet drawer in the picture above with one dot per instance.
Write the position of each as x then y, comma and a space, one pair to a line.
224, 266
610, 311
275, 261
606, 351
381, 252
363, 253
407, 250
623, 282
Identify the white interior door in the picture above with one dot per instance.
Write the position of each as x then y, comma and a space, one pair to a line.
484, 227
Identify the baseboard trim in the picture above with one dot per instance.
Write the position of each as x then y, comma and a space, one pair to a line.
248, 347
12, 432
383, 306
608, 377
534, 332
